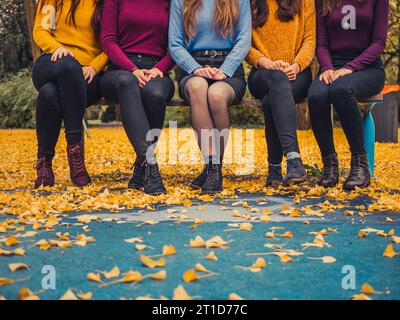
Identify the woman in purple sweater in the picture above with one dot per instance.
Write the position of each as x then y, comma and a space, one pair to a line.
351, 36
134, 35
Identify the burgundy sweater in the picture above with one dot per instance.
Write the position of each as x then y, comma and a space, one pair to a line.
366, 39
139, 26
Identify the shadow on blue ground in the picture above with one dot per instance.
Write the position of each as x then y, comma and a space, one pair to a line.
300, 279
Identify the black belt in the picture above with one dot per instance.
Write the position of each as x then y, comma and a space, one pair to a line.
210, 53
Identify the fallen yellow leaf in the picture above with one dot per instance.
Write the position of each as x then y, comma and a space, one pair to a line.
150, 263
366, 288
18, 266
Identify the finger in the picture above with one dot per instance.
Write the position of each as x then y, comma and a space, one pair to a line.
209, 73
53, 57
91, 77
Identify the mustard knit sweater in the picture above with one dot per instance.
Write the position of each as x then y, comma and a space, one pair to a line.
52, 30
292, 41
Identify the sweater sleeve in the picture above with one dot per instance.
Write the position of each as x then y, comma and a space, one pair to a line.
177, 43
255, 53
109, 36
99, 62
242, 41
307, 51
323, 48
165, 64
42, 30
378, 38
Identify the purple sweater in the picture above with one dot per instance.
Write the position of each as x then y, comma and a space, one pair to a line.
139, 26
367, 41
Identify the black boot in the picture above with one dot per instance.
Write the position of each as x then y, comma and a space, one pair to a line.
153, 184
198, 182
213, 183
359, 173
137, 179
330, 173
274, 177
296, 173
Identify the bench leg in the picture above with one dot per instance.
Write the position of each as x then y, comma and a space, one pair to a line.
369, 140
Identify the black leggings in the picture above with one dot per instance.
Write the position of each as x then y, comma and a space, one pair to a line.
343, 94
142, 109
279, 97
63, 95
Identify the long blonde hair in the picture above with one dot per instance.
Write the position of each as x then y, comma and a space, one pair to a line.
224, 20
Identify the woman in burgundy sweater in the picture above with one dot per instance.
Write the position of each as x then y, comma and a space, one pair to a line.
134, 35
351, 36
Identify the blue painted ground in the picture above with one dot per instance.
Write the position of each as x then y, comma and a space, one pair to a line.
300, 279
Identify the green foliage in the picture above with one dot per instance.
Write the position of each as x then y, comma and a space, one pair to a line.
17, 101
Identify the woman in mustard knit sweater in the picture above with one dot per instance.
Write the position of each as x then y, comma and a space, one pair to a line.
283, 47
67, 77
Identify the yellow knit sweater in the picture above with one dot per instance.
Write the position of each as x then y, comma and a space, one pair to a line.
292, 41
52, 30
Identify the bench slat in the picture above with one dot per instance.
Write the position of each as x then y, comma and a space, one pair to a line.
253, 102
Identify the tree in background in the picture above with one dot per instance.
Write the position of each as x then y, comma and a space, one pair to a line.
391, 56
15, 49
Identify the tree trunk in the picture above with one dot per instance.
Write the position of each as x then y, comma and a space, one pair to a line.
30, 11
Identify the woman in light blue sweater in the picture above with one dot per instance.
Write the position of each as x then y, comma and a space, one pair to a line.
209, 39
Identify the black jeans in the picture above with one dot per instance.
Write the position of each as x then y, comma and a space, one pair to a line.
279, 97
343, 95
63, 94
142, 109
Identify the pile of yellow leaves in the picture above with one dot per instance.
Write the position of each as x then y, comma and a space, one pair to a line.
109, 158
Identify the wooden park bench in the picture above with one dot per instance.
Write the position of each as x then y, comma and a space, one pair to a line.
366, 106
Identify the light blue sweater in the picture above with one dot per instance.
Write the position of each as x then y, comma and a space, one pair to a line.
207, 39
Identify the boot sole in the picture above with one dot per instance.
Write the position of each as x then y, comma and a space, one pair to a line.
135, 187
155, 193
294, 181
211, 191
354, 188
195, 186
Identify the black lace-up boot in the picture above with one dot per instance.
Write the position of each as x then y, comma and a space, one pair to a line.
213, 182
153, 184
296, 173
274, 177
330, 173
137, 179
359, 175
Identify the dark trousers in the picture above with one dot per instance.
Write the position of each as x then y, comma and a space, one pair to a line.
279, 97
63, 95
343, 95
142, 109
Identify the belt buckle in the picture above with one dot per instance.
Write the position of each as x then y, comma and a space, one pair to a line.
215, 53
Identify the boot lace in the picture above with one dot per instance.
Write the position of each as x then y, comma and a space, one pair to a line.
77, 159
355, 166
41, 167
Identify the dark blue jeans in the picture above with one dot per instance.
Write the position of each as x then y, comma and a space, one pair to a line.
343, 95
279, 97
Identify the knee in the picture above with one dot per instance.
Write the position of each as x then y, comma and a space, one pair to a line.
69, 65
279, 81
48, 96
318, 97
156, 95
195, 85
339, 90
126, 80
217, 101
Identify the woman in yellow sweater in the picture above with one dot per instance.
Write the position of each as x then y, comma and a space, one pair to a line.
67, 77
283, 47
